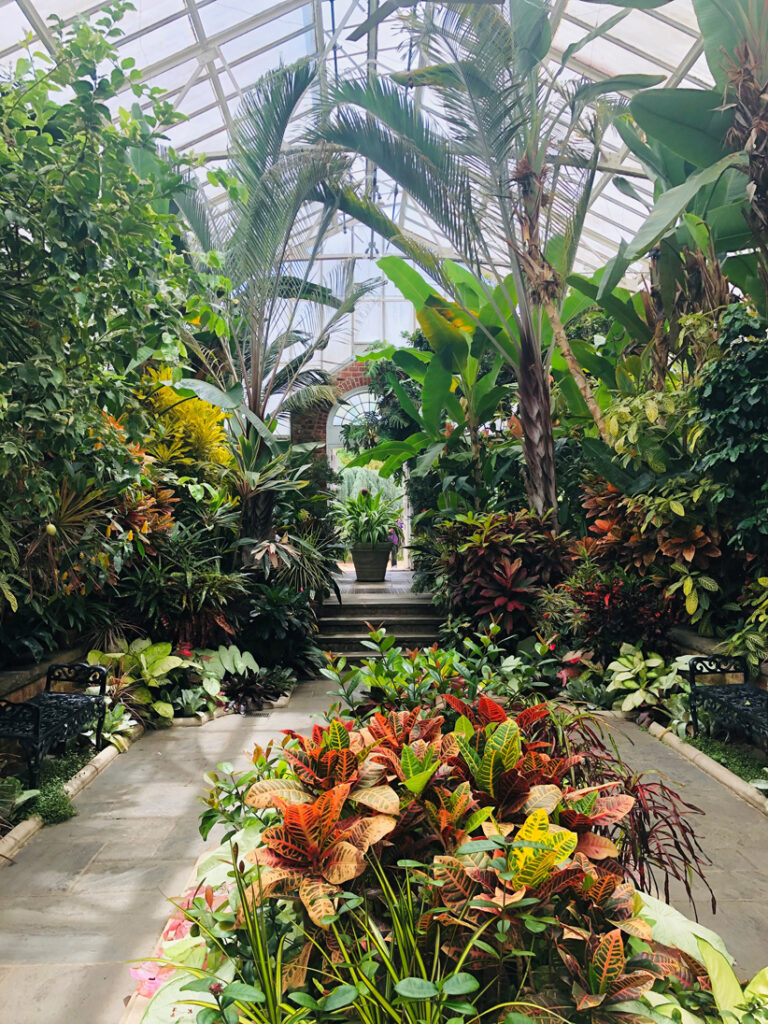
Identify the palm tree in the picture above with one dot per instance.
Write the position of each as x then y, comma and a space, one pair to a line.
502, 157
278, 218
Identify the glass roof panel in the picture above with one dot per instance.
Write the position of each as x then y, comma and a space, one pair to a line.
207, 53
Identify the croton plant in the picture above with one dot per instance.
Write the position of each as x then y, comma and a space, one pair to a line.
404, 869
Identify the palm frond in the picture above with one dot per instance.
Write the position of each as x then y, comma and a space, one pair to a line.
312, 396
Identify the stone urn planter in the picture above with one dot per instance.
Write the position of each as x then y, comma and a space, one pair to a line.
371, 561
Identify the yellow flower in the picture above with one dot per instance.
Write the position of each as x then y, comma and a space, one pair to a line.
130, 535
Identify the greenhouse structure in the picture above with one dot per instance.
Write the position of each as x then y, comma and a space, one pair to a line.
383, 511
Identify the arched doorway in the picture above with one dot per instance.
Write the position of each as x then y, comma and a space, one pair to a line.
357, 404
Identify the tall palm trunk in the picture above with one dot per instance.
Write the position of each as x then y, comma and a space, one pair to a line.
536, 421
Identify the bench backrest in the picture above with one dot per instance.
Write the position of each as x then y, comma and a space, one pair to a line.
714, 665
77, 674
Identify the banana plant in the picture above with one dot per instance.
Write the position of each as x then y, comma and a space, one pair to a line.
704, 152
457, 397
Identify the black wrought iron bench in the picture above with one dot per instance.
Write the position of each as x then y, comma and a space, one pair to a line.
51, 717
739, 707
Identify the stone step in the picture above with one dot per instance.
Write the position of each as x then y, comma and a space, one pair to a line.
344, 642
392, 622
391, 603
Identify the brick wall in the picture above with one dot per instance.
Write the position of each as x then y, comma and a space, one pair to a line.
309, 427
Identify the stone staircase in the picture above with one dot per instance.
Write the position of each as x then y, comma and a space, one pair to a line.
411, 618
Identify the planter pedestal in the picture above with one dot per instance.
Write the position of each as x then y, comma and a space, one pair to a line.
371, 561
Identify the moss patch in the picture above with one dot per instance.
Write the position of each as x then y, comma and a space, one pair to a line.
741, 762
53, 805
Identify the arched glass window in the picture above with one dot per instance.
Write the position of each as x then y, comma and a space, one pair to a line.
357, 405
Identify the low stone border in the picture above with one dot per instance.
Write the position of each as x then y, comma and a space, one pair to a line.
20, 834
200, 719
713, 768
703, 761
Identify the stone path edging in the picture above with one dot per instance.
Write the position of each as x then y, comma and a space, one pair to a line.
703, 761
20, 834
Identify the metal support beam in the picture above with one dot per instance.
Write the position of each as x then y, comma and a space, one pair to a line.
34, 18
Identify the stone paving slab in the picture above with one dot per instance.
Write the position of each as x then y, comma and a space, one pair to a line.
89, 895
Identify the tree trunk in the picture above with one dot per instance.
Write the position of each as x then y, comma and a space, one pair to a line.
257, 519
536, 421
576, 372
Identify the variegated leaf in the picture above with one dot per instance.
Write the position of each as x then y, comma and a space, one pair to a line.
586, 1000
630, 987
490, 769
379, 798
266, 792
610, 809
337, 736
600, 891
294, 974
270, 882
596, 847
457, 887
608, 960
470, 756
506, 740
449, 746
317, 897
545, 798
491, 710
345, 862
494, 828
368, 831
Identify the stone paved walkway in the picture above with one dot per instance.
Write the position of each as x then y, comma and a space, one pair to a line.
86, 896
734, 836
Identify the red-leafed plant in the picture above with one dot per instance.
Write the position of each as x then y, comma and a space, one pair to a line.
491, 566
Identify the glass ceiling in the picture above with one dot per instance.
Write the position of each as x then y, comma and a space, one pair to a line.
206, 54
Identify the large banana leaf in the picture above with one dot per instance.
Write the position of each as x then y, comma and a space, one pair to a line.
690, 122
724, 24
672, 204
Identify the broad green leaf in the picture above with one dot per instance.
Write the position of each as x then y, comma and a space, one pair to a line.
338, 998
690, 122
238, 991
408, 281
209, 393
672, 204
460, 985
588, 93
437, 383
416, 988
723, 24
725, 985
162, 708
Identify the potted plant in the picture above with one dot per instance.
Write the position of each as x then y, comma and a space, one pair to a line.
367, 521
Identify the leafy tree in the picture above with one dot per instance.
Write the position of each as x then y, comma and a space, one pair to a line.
93, 286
